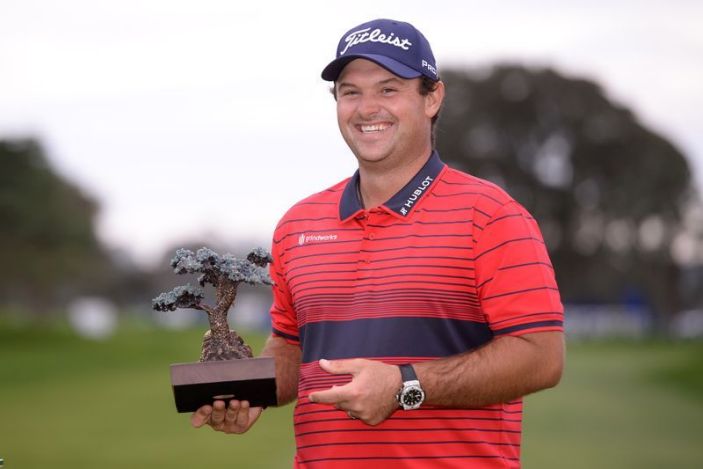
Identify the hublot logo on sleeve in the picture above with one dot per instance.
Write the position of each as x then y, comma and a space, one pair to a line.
415, 195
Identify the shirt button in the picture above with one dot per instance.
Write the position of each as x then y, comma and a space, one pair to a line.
372, 235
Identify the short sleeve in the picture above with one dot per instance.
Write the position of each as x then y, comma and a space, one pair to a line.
283, 318
514, 276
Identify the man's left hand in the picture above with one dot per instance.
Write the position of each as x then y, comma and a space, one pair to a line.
371, 394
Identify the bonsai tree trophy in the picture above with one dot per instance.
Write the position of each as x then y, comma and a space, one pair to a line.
226, 369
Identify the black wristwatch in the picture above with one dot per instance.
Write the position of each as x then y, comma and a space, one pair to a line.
411, 396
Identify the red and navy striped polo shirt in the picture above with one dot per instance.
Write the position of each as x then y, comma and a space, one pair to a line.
447, 264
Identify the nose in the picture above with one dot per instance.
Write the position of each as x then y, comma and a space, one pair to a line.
368, 105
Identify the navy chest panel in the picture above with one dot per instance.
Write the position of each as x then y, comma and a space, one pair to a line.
391, 337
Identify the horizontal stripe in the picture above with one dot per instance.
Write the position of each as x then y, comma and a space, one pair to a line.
326, 244
466, 236
417, 268
355, 285
462, 183
311, 370
424, 277
387, 337
320, 264
412, 443
445, 210
518, 292
527, 264
465, 263
504, 217
467, 222
521, 317
316, 255
432, 303
428, 258
345, 419
457, 194
284, 335
509, 241
534, 325
298, 220
356, 253
372, 430
458, 314
409, 459
360, 298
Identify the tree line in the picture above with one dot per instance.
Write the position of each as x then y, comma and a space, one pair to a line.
610, 196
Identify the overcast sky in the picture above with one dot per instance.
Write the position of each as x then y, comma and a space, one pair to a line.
208, 118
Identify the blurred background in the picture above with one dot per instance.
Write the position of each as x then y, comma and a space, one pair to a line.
131, 128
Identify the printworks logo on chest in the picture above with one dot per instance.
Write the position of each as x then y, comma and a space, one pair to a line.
315, 238
416, 195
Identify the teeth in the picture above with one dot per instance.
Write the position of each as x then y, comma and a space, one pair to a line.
373, 128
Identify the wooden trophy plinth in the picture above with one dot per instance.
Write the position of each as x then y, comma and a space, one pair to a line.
201, 383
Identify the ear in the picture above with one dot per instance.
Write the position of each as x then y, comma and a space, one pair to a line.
434, 99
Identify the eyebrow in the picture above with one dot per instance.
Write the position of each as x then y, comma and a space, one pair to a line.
390, 80
343, 84
380, 83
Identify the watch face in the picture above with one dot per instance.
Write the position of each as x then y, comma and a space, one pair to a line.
412, 397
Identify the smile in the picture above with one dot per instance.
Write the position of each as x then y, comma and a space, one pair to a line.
374, 127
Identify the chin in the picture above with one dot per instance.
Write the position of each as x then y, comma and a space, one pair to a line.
371, 159
372, 155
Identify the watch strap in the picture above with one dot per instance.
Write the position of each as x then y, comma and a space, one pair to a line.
407, 373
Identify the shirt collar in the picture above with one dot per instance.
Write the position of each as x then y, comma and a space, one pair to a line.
402, 203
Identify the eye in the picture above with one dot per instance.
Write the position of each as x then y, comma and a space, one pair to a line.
349, 92
388, 90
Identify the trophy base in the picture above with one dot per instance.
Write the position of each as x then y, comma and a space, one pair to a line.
201, 383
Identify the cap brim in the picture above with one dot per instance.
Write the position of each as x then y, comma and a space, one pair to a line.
332, 71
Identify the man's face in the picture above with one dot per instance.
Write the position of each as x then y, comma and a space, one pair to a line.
382, 117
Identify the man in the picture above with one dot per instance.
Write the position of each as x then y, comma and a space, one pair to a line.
414, 304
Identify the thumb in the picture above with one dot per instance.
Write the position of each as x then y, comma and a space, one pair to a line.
201, 416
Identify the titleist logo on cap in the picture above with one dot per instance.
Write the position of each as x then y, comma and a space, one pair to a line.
363, 35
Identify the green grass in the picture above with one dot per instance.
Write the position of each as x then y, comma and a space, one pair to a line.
68, 402
620, 405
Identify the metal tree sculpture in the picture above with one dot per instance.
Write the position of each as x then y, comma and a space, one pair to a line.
225, 273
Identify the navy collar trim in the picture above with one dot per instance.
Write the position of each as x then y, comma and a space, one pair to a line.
350, 204
401, 203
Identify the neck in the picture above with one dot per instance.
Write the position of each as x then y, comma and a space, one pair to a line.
378, 184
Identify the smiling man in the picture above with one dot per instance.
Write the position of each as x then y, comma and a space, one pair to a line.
414, 304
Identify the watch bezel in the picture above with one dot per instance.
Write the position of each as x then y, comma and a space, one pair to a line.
408, 388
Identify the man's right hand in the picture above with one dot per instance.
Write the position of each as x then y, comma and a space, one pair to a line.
238, 417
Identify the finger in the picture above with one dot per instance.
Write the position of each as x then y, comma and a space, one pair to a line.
333, 395
218, 413
232, 411
242, 418
340, 367
201, 416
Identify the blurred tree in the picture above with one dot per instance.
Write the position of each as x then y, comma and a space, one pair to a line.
48, 248
607, 191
